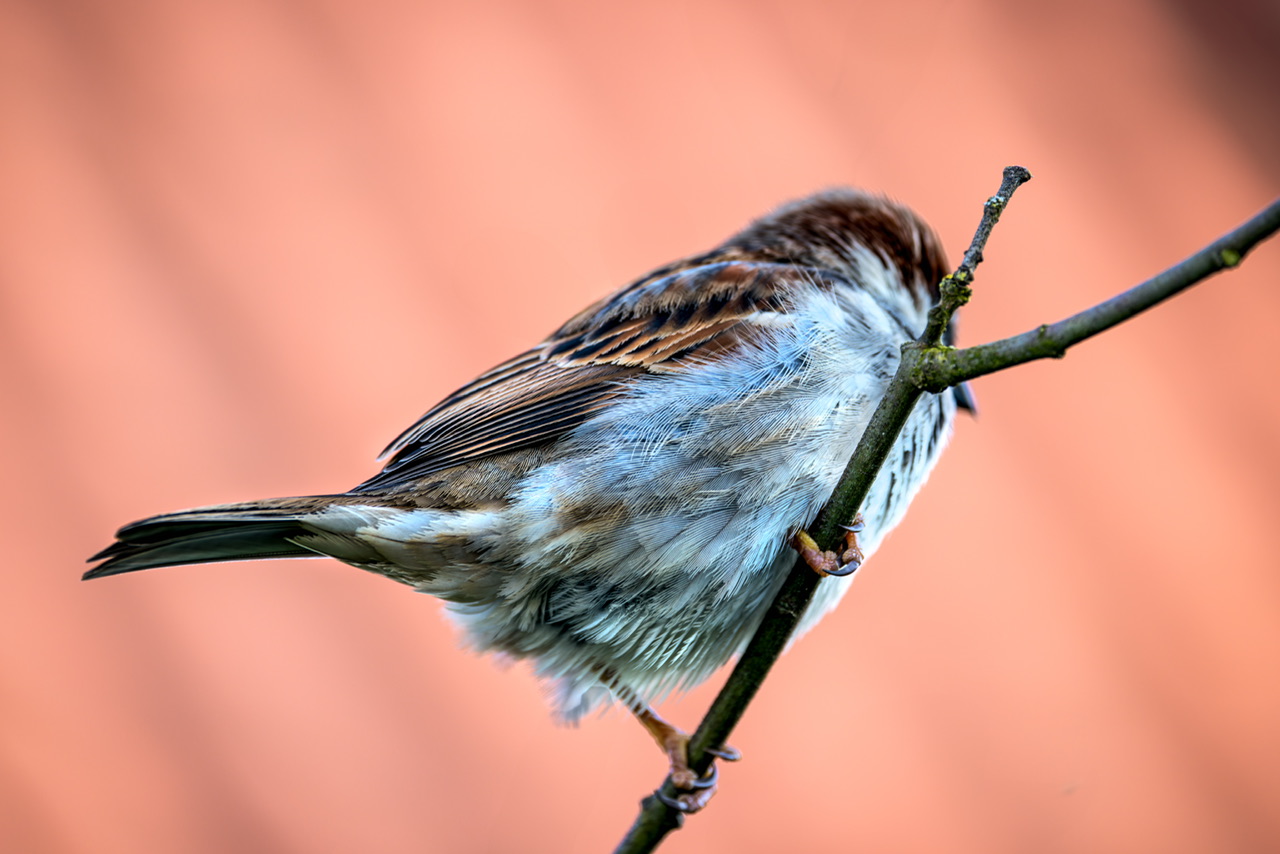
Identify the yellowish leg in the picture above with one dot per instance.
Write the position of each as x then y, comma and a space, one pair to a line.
675, 745
829, 563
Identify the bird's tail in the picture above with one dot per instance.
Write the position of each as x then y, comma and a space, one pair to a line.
248, 531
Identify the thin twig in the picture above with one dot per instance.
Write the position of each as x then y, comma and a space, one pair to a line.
955, 291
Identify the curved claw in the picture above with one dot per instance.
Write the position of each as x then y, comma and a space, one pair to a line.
725, 752
707, 782
699, 793
675, 803
827, 563
844, 569
852, 558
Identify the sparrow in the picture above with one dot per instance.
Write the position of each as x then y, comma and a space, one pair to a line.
620, 503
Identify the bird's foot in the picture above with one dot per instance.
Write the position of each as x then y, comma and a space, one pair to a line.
695, 791
827, 563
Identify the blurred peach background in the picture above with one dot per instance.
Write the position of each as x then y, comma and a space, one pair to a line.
243, 244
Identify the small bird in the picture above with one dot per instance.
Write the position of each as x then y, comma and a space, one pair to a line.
620, 503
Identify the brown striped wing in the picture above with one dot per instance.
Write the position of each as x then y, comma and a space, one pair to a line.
655, 325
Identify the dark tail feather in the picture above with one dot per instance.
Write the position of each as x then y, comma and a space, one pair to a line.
251, 531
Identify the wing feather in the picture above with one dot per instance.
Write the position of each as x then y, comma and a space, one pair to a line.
654, 325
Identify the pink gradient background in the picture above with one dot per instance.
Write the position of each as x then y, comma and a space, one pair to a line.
243, 244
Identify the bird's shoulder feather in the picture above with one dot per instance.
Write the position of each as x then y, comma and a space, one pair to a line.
698, 310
